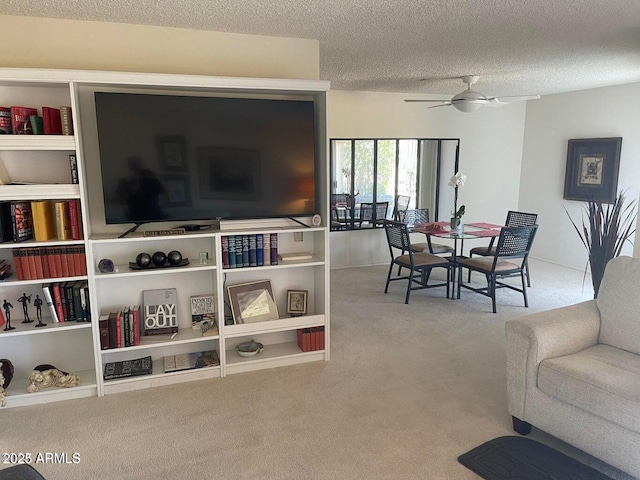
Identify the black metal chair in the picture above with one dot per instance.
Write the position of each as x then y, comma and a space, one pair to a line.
400, 207
418, 264
373, 213
514, 219
418, 216
510, 260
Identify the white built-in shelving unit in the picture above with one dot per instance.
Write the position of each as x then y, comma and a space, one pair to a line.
42, 161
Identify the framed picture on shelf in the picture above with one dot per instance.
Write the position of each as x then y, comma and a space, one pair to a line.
172, 152
592, 169
252, 302
297, 302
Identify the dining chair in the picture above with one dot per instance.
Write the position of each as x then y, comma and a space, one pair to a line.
418, 264
510, 260
421, 215
367, 212
400, 207
514, 219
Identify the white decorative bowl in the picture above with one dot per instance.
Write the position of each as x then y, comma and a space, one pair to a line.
249, 349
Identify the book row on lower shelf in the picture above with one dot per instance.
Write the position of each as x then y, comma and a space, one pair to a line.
40, 220
171, 363
157, 317
34, 263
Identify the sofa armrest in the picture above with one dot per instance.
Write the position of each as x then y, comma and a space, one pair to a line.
549, 334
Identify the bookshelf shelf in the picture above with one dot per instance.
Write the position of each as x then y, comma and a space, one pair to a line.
52, 327
17, 395
275, 355
37, 142
185, 336
40, 191
125, 271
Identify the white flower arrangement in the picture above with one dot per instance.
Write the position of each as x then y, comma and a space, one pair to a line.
457, 180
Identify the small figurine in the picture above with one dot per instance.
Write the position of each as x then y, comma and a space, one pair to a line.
38, 304
46, 375
7, 313
24, 300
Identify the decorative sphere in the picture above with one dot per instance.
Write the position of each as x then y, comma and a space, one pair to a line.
143, 260
159, 258
174, 257
105, 265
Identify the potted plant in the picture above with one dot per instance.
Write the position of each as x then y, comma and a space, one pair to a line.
456, 216
604, 231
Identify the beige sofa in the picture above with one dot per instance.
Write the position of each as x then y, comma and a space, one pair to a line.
574, 372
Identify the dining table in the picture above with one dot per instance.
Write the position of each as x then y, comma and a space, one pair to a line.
470, 231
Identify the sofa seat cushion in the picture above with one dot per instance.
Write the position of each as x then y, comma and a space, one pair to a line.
602, 380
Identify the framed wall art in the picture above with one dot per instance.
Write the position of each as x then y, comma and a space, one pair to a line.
252, 302
592, 169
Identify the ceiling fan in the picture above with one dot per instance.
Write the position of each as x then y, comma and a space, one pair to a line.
471, 100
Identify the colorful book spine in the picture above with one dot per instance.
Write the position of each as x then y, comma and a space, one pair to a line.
51, 121
63, 221
259, 249
43, 220
225, 252
22, 221
274, 248
103, 323
66, 119
232, 251
20, 123
266, 247
245, 250
253, 261
74, 219
48, 298
73, 166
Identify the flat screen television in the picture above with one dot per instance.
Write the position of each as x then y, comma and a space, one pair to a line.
167, 158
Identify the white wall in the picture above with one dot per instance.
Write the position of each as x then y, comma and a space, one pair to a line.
490, 155
31, 42
550, 123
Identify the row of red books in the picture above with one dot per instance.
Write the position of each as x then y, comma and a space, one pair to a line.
33, 263
55, 121
310, 339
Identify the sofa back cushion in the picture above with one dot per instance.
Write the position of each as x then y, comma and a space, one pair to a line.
619, 304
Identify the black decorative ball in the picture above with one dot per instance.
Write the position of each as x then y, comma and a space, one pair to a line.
174, 257
159, 258
143, 260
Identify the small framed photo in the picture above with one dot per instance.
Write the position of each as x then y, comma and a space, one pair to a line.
252, 302
297, 302
592, 169
172, 151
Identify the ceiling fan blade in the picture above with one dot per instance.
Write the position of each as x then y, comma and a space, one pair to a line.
447, 104
510, 99
416, 100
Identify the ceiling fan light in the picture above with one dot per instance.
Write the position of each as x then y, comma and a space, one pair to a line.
468, 106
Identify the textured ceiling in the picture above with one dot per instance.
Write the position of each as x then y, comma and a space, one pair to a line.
517, 47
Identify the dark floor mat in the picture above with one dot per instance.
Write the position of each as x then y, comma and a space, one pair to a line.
519, 458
